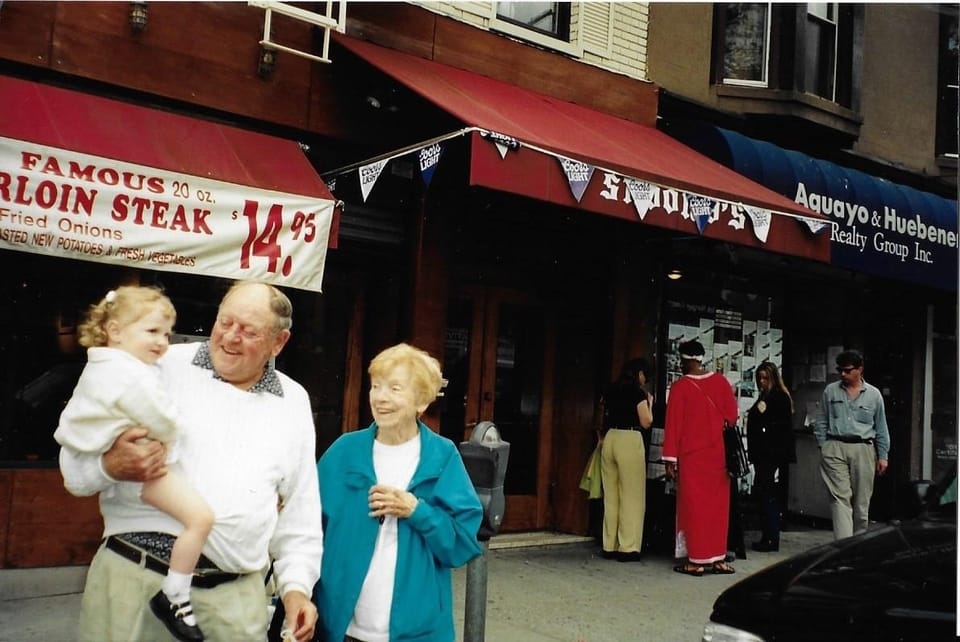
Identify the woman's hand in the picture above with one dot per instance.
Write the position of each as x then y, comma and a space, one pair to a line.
385, 500
301, 615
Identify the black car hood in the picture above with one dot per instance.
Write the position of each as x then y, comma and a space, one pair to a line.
899, 576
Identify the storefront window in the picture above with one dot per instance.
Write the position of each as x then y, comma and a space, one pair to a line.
41, 361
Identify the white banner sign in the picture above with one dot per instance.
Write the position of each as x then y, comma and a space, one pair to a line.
74, 205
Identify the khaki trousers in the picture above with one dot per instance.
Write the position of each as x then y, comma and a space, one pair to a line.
623, 471
848, 471
115, 605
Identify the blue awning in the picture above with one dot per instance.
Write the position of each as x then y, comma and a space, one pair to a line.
881, 227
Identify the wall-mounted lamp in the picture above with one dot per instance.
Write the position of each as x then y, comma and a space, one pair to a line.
138, 15
266, 62
674, 274
383, 98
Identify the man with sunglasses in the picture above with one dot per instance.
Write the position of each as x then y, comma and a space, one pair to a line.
854, 443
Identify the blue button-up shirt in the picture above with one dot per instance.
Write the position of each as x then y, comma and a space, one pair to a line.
863, 416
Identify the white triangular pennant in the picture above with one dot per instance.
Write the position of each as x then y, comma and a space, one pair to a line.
578, 175
369, 175
816, 226
503, 142
762, 220
642, 195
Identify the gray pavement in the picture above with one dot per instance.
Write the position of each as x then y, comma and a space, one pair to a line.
544, 591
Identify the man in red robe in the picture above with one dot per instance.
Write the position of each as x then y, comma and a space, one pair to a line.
694, 456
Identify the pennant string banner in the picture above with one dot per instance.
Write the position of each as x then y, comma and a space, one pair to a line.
645, 196
333, 174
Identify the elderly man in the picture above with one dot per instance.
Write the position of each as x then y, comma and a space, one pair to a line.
248, 448
854, 444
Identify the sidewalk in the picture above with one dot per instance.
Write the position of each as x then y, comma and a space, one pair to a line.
538, 590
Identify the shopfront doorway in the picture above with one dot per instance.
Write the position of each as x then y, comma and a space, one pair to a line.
495, 352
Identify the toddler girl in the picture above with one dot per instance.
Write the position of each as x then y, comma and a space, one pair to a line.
126, 333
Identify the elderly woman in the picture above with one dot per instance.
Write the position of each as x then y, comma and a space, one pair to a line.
399, 512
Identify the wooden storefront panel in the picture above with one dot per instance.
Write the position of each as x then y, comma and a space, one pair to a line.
44, 524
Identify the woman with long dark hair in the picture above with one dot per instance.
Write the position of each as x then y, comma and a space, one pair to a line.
623, 461
771, 448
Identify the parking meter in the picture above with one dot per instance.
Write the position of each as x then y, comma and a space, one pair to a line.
485, 457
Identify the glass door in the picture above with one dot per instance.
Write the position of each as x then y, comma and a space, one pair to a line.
494, 362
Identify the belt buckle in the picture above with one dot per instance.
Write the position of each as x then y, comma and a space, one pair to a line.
144, 556
142, 562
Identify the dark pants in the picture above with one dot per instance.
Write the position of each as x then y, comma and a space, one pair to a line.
735, 541
768, 501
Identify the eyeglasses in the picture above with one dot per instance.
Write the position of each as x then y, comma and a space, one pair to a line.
846, 369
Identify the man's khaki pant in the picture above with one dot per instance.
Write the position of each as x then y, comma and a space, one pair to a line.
848, 471
115, 605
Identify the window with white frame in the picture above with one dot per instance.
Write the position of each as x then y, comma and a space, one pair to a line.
746, 43
759, 44
548, 18
546, 24
821, 58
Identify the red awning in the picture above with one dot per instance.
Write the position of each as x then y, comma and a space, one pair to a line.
126, 132
199, 196
606, 142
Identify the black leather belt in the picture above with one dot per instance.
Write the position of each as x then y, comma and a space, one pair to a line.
202, 577
850, 439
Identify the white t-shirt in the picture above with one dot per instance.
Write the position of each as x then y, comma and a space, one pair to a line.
394, 466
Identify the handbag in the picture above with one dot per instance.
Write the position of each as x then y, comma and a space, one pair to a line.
590, 480
735, 454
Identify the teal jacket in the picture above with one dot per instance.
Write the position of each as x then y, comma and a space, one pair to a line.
440, 534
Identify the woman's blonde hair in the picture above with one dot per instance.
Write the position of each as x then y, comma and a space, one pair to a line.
776, 381
425, 374
124, 305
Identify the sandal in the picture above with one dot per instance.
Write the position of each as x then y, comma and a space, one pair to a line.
689, 569
722, 568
